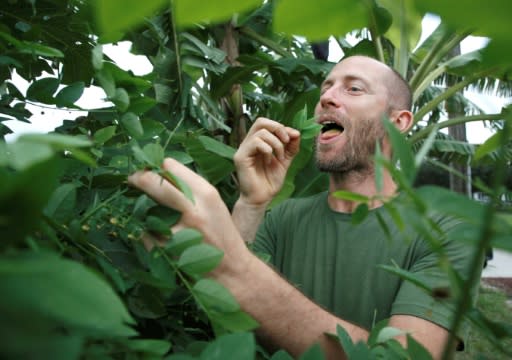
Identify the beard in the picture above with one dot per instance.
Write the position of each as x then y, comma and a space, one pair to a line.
357, 152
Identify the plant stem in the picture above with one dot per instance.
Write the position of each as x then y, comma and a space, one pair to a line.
448, 93
486, 232
272, 45
454, 121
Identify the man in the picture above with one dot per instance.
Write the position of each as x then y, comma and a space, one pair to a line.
355, 97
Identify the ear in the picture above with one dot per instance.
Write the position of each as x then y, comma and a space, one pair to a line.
403, 120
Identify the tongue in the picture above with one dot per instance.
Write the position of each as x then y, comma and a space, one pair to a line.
331, 133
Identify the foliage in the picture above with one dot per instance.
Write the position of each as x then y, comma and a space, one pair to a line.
76, 279
495, 304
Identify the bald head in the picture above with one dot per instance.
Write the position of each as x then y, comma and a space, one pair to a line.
399, 92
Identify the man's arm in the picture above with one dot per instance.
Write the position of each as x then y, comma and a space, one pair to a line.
262, 161
287, 318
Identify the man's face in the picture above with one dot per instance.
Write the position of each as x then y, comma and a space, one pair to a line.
353, 101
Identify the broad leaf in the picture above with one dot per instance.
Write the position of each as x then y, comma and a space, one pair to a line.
68, 295
234, 321
70, 94
103, 135
402, 152
231, 346
182, 240
319, 19
200, 259
42, 90
212, 145
188, 12
212, 295
132, 124
117, 16
62, 203
387, 333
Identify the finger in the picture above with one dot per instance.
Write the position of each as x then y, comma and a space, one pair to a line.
275, 143
281, 133
150, 241
293, 147
159, 189
264, 123
266, 151
292, 133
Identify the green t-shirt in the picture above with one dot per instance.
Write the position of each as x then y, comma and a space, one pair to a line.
335, 263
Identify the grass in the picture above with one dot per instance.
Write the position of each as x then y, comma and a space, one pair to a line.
492, 302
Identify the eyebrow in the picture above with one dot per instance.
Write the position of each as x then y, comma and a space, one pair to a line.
348, 77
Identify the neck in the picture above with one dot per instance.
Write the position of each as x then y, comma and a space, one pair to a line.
361, 183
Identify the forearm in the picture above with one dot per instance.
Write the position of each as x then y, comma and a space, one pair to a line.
287, 318
247, 218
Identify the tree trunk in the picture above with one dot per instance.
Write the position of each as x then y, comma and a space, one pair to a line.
455, 109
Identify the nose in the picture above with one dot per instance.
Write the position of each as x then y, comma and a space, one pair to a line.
330, 98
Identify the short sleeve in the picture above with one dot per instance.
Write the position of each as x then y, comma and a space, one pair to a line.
415, 301
264, 242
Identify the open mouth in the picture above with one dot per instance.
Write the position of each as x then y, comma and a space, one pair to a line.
331, 128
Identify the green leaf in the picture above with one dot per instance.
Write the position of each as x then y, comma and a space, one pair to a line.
97, 57
360, 213
42, 90
211, 165
215, 146
214, 296
155, 224
401, 151
281, 355
407, 275
490, 145
310, 131
317, 20
200, 259
58, 141
23, 154
107, 82
387, 333
448, 202
416, 350
211, 53
313, 353
345, 340
180, 184
121, 99
131, 123
31, 48
240, 346
155, 154
152, 128
181, 156
69, 295
149, 346
70, 94
351, 196
182, 240
234, 321
189, 12
117, 16
141, 104
103, 135
62, 203
425, 148
161, 269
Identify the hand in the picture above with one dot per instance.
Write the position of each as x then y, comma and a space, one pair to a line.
263, 159
208, 213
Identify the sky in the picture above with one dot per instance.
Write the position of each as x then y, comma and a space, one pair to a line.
45, 119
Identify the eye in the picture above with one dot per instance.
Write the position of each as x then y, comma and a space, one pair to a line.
354, 89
